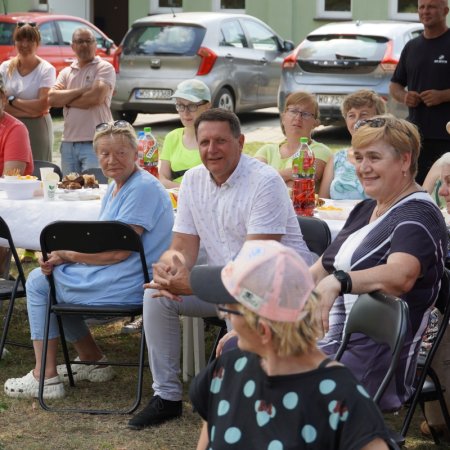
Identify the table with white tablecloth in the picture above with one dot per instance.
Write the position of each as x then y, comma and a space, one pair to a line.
27, 218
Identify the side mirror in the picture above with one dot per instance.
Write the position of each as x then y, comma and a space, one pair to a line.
288, 46
107, 44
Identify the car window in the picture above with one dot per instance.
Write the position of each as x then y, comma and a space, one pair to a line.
261, 38
6, 33
163, 40
48, 34
232, 34
343, 47
67, 28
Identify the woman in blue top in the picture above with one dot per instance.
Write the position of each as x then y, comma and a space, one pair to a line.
340, 181
133, 197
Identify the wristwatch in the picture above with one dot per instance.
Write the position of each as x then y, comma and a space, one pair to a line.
11, 98
345, 280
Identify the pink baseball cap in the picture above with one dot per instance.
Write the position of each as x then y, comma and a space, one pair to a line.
266, 277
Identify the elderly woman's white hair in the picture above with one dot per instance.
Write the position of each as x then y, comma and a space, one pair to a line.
444, 159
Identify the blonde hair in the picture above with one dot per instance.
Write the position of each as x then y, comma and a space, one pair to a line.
302, 97
20, 33
290, 338
361, 98
125, 132
402, 135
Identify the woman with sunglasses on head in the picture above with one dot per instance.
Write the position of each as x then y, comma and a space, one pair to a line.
180, 149
134, 197
28, 79
394, 242
300, 117
340, 181
277, 390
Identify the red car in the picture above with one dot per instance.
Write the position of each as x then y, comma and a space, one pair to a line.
56, 37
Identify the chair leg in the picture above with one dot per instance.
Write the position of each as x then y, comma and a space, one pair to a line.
44, 358
7, 321
62, 338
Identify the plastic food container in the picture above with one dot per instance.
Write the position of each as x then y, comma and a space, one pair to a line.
20, 189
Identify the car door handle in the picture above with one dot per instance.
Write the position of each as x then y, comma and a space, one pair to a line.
263, 61
69, 60
229, 56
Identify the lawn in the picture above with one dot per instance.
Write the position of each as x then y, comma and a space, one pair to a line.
25, 425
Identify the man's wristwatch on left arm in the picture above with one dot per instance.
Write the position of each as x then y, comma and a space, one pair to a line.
345, 280
11, 98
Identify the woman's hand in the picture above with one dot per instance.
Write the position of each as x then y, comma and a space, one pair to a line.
54, 259
223, 341
328, 290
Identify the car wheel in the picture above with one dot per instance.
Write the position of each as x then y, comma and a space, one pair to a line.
224, 99
129, 116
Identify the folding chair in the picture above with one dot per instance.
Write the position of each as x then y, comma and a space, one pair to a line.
10, 288
316, 233
90, 237
428, 387
366, 315
39, 163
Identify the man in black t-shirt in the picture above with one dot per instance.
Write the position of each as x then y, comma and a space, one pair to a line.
424, 69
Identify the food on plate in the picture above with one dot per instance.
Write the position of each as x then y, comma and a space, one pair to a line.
12, 173
27, 177
76, 181
329, 208
319, 201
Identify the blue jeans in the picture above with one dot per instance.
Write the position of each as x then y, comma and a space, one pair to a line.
77, 156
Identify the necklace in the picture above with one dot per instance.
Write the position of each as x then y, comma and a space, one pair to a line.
380, 211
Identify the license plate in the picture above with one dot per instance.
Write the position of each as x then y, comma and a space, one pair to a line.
153, 94
330, 100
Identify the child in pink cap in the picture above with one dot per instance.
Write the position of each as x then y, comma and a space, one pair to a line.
277, 390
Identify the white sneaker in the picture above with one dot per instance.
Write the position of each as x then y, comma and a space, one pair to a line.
96, 374
28, 387
5, 352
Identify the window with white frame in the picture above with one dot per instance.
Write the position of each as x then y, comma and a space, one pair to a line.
229, 5
334, 9
166, 6
403, 9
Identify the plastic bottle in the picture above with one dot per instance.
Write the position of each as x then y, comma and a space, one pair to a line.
303, 172
151, 153
141, 148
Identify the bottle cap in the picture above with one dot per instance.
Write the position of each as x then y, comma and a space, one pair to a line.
147, 129
304, 140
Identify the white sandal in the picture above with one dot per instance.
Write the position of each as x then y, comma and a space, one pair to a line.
95, 374
28, 387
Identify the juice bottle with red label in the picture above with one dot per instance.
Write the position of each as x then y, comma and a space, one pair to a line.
303, 172
151, 152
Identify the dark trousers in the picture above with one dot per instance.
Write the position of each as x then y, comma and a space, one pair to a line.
431, 150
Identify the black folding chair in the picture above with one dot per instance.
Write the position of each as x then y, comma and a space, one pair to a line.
90, 237
366, 315
316, 233
10, 288
428, 386
39, 163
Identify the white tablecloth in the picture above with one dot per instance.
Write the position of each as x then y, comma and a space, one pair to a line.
27, 218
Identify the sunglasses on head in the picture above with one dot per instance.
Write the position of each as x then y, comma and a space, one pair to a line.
22, 24
379, 122
121, 124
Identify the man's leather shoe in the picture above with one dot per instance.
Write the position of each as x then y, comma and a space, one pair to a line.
156, 412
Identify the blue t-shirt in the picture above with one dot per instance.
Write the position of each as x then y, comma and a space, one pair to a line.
142, 201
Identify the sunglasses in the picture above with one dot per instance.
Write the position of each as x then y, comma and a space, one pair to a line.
120, 124
83, 41
22, 24
379, 122
223, 313
192, 107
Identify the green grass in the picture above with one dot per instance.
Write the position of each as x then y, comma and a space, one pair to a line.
25, 425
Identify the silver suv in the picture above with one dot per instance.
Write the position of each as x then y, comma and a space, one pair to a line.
340, 58
236, 55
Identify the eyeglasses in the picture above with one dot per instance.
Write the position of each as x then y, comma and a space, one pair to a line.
121, 124
83, 41
223, 313
192, 107
303, 114
22, 24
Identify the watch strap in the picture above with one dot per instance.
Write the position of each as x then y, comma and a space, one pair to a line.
345, 280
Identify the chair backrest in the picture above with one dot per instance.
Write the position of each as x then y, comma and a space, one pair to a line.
316, 233
383, 318
92, 237
99, 175
6, 234
39, 163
